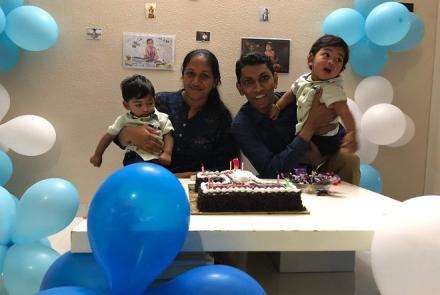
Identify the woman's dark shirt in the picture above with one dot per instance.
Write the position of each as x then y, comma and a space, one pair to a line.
203, 139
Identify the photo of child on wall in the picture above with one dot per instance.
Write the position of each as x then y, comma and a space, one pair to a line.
278, 50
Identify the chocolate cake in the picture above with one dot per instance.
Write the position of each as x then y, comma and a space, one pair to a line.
241, 191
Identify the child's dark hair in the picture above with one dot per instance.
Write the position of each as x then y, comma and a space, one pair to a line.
330, 41
251, 59
135, 87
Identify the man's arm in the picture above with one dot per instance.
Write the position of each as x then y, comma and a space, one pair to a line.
267, 163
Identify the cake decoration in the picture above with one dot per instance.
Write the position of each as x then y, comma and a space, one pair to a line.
238, 190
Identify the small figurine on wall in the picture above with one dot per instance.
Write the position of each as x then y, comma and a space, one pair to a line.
94, 34
150, 10
264, 14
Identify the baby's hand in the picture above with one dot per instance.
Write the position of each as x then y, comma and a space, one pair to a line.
165, 158
96, 160
349, 143
274, 112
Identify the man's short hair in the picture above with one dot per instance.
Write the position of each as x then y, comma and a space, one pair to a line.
251, 59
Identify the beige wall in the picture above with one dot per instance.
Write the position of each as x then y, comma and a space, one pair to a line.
432, 185
75, 84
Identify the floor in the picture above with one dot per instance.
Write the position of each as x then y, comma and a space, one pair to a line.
260, 267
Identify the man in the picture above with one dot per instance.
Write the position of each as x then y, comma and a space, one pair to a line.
271, 145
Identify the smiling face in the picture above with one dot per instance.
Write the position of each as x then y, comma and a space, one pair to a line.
140, 107
327, 63
198, 79
258, 83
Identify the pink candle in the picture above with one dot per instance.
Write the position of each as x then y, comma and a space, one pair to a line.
230, 165
278, 179
236, 163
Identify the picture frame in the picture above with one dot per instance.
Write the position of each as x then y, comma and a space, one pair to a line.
278, 50
148, 51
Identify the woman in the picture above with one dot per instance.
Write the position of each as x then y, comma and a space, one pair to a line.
200, 119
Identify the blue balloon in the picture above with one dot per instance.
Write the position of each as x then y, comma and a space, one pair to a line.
346, 23
371, 179
75, 270
45, 242
9, 52
2, 21
137, 223
7, 216
25, 266
210, 280
8, 5
414, 36
31, 28
69, 290
388, 23
3, 251
5, 168
368, 59
45, 208
366, 6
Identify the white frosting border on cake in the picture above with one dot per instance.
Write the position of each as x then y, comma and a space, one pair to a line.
204, 186
243, 181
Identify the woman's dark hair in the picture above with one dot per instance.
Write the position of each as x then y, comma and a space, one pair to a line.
331, 41
214, 96
135, 87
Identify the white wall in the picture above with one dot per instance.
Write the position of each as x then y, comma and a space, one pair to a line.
75, 84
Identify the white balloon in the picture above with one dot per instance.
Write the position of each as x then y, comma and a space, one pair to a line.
383, 124
28, 135
5, 101
407, 135
373, 90
367, 151
355, 111
405, 255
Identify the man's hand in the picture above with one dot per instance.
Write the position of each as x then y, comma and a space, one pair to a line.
313, 156
143, 137
349, 143
319, 119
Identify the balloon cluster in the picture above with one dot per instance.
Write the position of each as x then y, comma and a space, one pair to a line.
378, 123
137, 223
28, 135
372, 29
23, 26
44, 209
405, 249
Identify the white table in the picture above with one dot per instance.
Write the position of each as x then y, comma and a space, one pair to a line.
342, 222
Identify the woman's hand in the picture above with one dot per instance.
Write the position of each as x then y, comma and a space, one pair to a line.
143, 137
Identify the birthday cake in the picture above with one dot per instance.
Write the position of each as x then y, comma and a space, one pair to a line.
241, 191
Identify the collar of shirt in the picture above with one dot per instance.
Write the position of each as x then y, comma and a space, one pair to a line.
152, 115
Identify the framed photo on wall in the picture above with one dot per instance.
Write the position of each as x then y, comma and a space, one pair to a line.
278, 50
148, 51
